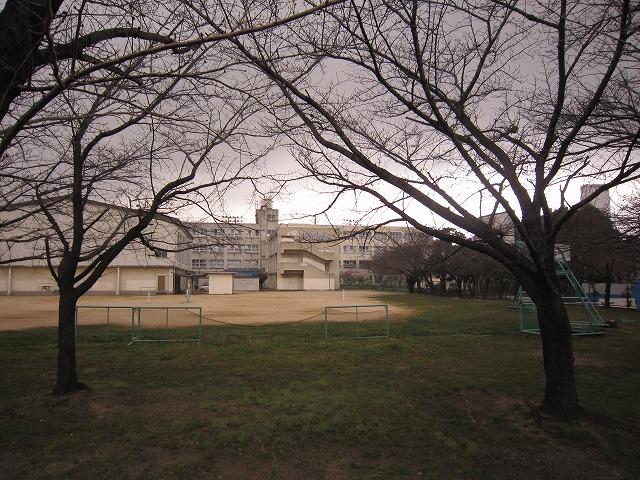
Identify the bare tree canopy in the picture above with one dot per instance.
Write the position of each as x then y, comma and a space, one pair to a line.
50, 46
464, 109
114, 116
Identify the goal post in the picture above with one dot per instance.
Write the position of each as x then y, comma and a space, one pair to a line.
147, 292
157, 328
147, 323
362, 315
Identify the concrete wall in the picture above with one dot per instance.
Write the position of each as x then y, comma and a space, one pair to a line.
4, 279
31, 280
300, 260
618, 296
246, 284
163, 234
220, 283
291, 282
107, 283
319, 283
133, 279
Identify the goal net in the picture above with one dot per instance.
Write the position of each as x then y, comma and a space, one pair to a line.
361, 321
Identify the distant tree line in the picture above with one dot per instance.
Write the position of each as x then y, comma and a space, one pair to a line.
428, 265
604, 248
598, 247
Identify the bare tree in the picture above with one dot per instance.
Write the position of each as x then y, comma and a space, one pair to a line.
94, 168
598, 250
50, 46
409, 259
627, 218
462, 108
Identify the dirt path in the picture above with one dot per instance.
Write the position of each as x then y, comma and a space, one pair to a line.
20, 312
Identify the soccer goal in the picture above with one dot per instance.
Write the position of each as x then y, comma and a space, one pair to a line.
363, 321
148, 291
146, 323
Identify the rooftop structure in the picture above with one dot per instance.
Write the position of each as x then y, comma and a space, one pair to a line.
602, 202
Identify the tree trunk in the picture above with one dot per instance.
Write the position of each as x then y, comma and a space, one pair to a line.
411, 283
67, 376
560, 396
443, 285
607, 293
485, 288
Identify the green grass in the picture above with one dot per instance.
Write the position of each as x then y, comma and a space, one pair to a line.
447, 397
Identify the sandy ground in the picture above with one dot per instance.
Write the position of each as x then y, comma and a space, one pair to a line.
20, 312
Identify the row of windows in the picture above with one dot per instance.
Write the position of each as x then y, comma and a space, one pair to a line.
200, 263
229, 248
362, 264
396, 235
232, 232
357, 249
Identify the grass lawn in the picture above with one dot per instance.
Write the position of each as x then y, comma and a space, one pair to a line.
448, 397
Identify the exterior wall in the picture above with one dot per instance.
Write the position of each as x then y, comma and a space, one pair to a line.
220, 283
163, 233
618, 297
4, 280
32, 280
135, 267
319, 283
267, 224
107, 283
135, 280
296, 264
291, 281
233, 247
357, 252
246, 284
602, 202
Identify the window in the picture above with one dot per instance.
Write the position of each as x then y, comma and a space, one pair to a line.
365, 264
348, 264
198, 263
217, 263
160, 253
234, 262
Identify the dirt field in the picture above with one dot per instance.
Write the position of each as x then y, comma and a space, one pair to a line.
20, 312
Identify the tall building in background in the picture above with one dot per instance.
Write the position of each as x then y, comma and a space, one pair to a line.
602, 202
266, 224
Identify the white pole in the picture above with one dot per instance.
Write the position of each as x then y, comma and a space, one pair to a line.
148, 295
343, 295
